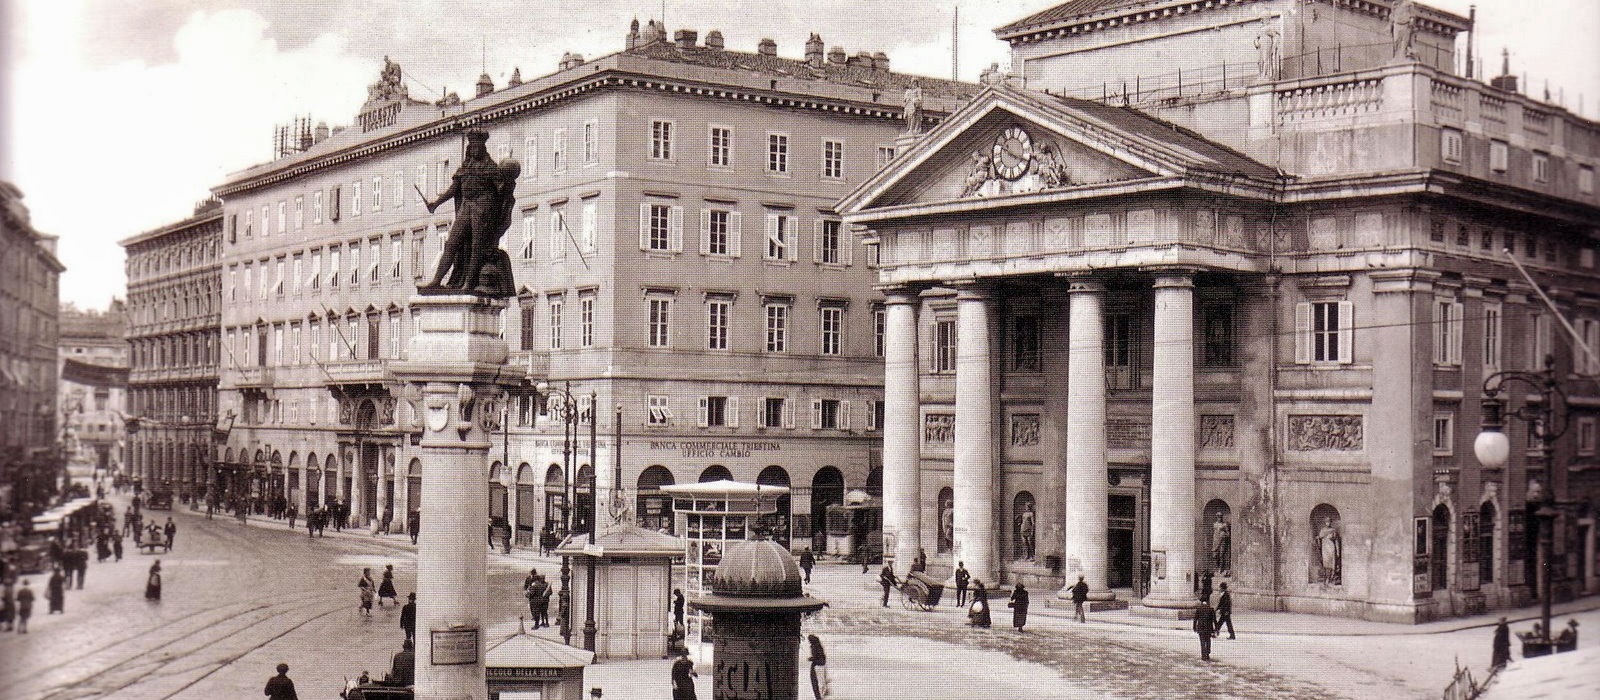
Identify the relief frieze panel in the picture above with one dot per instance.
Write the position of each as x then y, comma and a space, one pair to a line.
938, 428
1024, 430
1335, 433
1215, 432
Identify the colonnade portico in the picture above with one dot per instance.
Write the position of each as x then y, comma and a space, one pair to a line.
1085, 521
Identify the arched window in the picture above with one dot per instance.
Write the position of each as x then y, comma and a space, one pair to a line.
947, 520
875, 482
827, 489
653, 506
527, 525
776, 525
1485, 534
555, 500
1024, 522
498, 496
1327, 546
313, 481
1439, 547
715, 472
582, 504
1216, 530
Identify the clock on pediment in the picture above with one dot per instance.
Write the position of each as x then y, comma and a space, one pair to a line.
1012, 153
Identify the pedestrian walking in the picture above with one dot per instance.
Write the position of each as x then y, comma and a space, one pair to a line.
408, 617
1502, 645
171, 531
116, 547
279, 687
1080, 595
677, 606
539, 601
102, 547
322, 520
336, 510
1205, 585
293, 511
1225, 612
55, 593
683, 676
1205, 625
78, 563
962, 580
413, 524
978, 614
366, 589
152, 583
861, 552
24, 607
887, 579
807, 560
386, 588
1019, 606
819, 668
8, 609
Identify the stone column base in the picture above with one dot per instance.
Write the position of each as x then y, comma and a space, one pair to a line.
1166, 610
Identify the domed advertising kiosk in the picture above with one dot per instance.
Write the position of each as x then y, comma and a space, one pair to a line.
756, 604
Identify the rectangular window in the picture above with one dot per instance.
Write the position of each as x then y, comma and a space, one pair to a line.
1025, 343
1446, 332
591, 142
777, 327
335, 202
829, 414
586, 321
300, 212
555, 325
831, 248
249, 223
1324, 332
780, 234
1444, 434
333, 268
1499, 156
316, 207
833, 160
660, 323
659, 225
713, 411
355, 198
377, 193
397, 195
277, 279
1583, 363
558, 150
530, 233
558, 235
591, 226
660, 139
1541, 342
1450, 145
721, 149
659, 411
233, 283
717, 312
530, 157
719, 232
775, 413
944, 346
1586, 179
880, 328
315, 280
1586, 430
1541, 167
376, 263
1463, 236
397, 250
777, 153
355, 264
1217, 336
1491, 338
885, 156
266, 221
374, 336
526, 306
832, 319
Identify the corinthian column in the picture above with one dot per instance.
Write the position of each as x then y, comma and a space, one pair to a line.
902, 443
1085, 500
1172, 445
974, 441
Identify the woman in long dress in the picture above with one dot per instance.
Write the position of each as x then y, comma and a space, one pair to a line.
152, 585
365, 588
386, 588
978, 615
55, 593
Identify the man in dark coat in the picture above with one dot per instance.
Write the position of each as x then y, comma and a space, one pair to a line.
1080, 595
1205, 625
1225, 612
807, 561
116, 546
962, 580
24, 607
1502, 644
683, 676
1205, 585
414, 524
171, 531
677, 606
408, 618
403, 670
78, 565
279, 687
1019, 606
55, 593
887, 579
539, 601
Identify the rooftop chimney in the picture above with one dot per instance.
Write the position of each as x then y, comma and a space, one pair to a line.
485, 85
685, 38
570, 60
836, 55
516, 78
714, 40
1505, 81
767, 47
862, 59
880, 61
320, 134
814, 51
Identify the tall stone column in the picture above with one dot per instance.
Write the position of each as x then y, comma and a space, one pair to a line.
456, 358
974, 439
380, 493
1085, 500
902, 438
1172, 517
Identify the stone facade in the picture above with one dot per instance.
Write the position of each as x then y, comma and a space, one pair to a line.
30, 297
94, 383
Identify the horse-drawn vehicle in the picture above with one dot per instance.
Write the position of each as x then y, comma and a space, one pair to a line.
920, 592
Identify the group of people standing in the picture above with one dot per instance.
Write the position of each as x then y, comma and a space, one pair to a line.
68, 562
538, 592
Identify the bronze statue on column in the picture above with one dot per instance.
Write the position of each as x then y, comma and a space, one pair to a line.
484, 194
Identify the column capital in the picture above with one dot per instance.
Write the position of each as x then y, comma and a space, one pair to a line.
899, 293
971, 289
1084, 284
1173, 276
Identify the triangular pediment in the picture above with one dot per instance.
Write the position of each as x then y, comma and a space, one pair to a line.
1009, 142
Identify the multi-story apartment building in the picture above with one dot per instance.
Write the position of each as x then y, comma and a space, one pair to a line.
30, 298
94, 383
174, 320
1218, 293
678, 263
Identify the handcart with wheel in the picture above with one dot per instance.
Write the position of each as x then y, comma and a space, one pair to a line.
920, 592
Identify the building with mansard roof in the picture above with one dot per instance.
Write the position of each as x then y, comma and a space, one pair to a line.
678, 264
1212, 289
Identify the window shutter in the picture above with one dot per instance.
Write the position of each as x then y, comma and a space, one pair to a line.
871, 410
644, 227
816, 241
675, 229
816, 414
772, 233
422, 183
1456, 331
705, 408
333, 204
844, 415
1302, 333
558, 236
788, 413
731, 414
1347, 332
705, 231
735, 240
791, 242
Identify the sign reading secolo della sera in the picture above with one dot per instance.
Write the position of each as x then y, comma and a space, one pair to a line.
716, 449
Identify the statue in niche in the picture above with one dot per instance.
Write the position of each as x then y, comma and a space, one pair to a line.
484, 194
1329, 548
1222, 544
1026, 523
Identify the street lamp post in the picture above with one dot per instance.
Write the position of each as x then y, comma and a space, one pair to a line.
1492, 448
569, 434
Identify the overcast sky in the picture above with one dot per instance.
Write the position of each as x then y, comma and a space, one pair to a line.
120, 114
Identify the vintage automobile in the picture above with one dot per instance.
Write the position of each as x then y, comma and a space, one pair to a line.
159, 498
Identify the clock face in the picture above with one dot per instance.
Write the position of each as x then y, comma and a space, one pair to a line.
1013, 151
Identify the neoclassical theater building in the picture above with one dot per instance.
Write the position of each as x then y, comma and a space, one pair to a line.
1192, 292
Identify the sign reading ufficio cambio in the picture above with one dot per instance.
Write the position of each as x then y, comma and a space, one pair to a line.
454, 646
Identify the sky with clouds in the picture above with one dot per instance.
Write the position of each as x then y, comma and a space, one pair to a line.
154, 101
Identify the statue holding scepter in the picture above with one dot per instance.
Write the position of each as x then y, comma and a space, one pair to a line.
484, 194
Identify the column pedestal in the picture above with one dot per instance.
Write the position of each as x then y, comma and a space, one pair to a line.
1085, 500
902, 439
456, 358
1172, 451
974, 439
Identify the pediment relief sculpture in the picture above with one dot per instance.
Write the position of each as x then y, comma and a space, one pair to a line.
1015, 164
